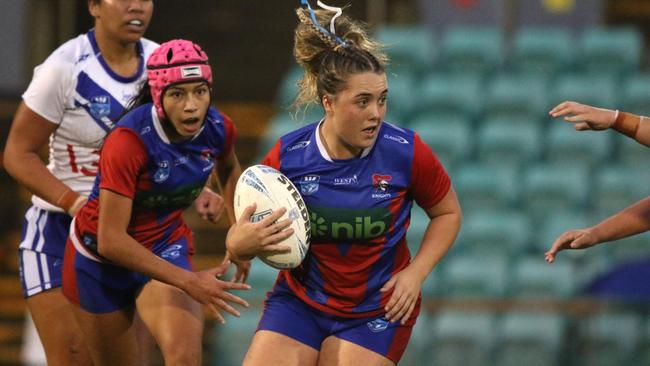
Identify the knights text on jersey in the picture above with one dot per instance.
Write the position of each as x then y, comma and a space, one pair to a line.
76, 89
359, 210
161, 177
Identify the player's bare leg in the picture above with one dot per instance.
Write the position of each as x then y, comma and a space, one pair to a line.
271, 348
335, 351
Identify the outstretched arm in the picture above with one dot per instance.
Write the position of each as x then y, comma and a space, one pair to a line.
631, 221
586, 117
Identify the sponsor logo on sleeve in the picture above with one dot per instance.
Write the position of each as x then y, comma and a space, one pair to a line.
299, 145
399, 139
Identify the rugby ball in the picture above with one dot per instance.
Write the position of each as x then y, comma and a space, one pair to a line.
272, 190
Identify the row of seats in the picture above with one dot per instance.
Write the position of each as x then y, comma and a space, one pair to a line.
442, 98
482, 338
546, 51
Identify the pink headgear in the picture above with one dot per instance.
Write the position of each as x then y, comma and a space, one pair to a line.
174, 62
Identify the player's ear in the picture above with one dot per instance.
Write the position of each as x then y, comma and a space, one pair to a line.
93, 8
327, 102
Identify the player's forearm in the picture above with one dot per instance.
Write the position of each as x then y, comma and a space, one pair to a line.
630, 221
123, 250
30, 171
438, 239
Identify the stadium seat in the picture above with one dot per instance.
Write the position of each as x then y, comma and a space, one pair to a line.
608, 338
401, 97
472, 276
509, 141
542, 51
595, 90
231, 340
461, 339
520, 97
261, 278
472, 50
642, 356
450, 141
533, 278
548, 188
485, 186
635, 96
630, 152
419, 347
613, 51
500, 232
529, 339
449, 96
409, 47
551, 226
415, 232
283, 123
567, 146
617, 187
288, 89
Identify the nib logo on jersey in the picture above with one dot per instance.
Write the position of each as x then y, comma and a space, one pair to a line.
381, 185
329, 224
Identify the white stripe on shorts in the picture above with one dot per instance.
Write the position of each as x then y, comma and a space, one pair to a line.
31, 275
47, 284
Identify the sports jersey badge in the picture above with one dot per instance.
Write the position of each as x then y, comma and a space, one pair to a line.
100, 106
162, 173
381, 185
377, 325
309, 184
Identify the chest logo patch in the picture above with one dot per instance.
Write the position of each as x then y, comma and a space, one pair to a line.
162, 173
100, 106
309, 184
381, 184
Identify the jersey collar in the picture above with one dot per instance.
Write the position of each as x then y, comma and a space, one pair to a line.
323, 151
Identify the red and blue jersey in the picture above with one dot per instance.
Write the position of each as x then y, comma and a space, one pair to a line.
161, 177
360, 211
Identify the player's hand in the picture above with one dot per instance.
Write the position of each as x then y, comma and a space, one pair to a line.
584, 117
209, 205
247, 239
572, 239
406, 287
243, 268
212, 292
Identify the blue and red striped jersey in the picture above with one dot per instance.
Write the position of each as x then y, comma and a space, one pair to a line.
161, 177
360, 211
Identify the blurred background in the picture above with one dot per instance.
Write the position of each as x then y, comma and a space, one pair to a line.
476, 79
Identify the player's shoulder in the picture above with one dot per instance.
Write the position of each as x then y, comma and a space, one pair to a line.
137, 118
71, 53
391, 134
301, 135
148, 46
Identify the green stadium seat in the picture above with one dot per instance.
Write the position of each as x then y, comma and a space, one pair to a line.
417, 227
533, 278
500, 232
630, 152
542, 51
461, 339
261, 278
635, 97
449, 96
551, 226
608, 338
484, 186
617, 187
509, 141
409, 47
521, 97
642, 356
595, 90
450, 140
567, 146
476, 50
471, 276
288, 89
232, 339
614, 51
419, 346
401, 97
548, 188
531, 339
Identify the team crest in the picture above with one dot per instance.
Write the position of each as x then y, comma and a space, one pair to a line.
377, 325
100, 106
381, 184
162, 173
309, 184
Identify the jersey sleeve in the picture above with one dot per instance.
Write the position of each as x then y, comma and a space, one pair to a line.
429, 180
46, 93
230, 138
122, 160
272, 158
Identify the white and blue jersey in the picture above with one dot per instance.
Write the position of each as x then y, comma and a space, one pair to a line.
76, 90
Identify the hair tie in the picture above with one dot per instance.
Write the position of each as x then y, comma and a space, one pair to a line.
332, 32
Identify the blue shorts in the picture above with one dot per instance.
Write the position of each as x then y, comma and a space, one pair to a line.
103, 287
286, 314
42, 243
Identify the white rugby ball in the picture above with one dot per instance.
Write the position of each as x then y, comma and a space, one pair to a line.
272, 190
